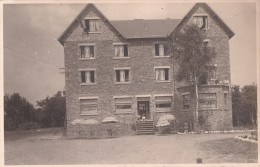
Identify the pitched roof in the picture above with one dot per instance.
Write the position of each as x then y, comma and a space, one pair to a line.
63, 36
213, 15
140, 28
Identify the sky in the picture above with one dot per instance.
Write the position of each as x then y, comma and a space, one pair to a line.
33, 56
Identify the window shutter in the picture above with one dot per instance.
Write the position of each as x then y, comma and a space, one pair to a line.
92, 51
87, 25
157, 49
125, 51
117, 75
127, 75
82, 77
92, 76
166, 74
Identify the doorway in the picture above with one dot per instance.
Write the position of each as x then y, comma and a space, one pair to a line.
144, 109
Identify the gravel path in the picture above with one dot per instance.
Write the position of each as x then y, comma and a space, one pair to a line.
53, 149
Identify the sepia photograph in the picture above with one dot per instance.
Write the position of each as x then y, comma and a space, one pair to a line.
130, 83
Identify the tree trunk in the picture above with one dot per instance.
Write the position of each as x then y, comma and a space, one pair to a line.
252, 119
196, 128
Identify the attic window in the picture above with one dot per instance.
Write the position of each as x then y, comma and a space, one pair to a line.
92, 25
201, 21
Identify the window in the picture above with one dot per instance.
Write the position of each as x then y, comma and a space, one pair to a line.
87, 77
163, 103
87, 52
122, 75
123, 105
92, 25
213, 72
225, 100
121, 51
201, 21
162, 74
207, 100
186, 101
88, 106
160, 50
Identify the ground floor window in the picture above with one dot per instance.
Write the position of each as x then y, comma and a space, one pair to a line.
123, 105
207, 100
88, 106
163, 103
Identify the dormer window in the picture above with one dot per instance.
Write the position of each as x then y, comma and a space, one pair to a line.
92, 24
160, 50
201, 21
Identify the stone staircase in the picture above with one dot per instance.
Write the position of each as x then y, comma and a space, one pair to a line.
145, 127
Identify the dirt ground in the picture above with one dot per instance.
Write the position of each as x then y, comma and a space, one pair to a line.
47, 147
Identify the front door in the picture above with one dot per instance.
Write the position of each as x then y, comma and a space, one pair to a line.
144, 109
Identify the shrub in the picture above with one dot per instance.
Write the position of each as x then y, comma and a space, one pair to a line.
166, 130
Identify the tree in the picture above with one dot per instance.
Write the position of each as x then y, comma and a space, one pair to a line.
54, 108
194, 58
237, 105
17, 110
249, 101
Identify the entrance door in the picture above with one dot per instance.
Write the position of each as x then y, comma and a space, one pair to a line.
144, 109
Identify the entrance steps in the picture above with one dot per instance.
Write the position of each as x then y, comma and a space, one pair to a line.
144, 127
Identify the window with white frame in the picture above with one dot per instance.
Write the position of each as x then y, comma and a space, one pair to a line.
186, 101
160, 50
123, 105
162, 74
121, 51
163, 103
92, 25
207, 100
88, 106
87, 52
122, 75
87, 76
201, 21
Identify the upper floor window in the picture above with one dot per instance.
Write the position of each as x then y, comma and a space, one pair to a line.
122, 75
87, 52
213, 72
121, 50
92, 24
207, 100
186, 101
160, 50
162, 74
201, 21
87, 76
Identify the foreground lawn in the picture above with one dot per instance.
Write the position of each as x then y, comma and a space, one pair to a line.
53, 149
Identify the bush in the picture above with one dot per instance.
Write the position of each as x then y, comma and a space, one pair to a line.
166, 130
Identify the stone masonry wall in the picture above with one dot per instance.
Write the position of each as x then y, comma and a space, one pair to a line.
142, 74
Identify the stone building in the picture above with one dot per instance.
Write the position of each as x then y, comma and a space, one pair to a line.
124, 69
